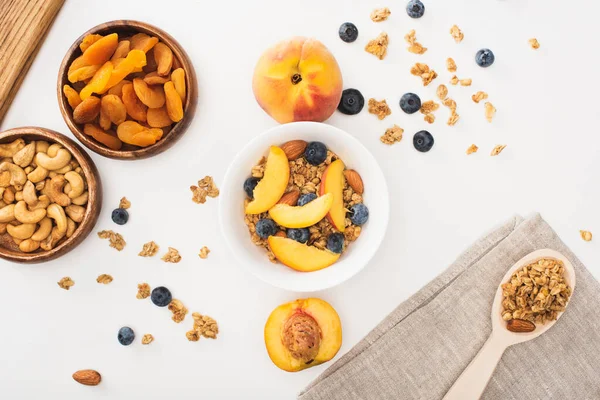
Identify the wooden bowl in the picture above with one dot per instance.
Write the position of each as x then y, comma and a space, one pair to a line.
8, 249
130, 152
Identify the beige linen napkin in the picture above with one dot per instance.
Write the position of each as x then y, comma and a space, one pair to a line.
421, 348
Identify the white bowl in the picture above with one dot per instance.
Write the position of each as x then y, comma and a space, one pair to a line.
254, 258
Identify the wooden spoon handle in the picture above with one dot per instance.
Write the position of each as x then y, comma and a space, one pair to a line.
474, 379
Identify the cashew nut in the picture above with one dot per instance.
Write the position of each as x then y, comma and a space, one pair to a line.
9, 195
17, 241
57, 213
64, 169
24, 216
19, 195
53, 149
43, 231
9, 149
40, 185
17, 175
67, 188
71, 226
38, 174
24, 157
43, 203
76, 182
30, 194
54, 190
3, 226
28, 169
76, 213
23, 231
60, 160
7, 213
81, 200
5, 179
52, 239
29, 245
41, 146
2, 203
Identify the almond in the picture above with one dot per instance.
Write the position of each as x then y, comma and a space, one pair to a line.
290, 198
294, 149
354, 180
87, 377
520, 325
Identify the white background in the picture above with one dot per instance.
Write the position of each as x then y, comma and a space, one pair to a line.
440, 201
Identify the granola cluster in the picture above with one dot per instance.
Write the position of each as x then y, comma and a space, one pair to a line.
116, 241
178, 309
206, 187
203, 326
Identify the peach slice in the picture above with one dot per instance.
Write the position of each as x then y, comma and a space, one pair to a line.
299, 256
303, 333
332, 182
272, 186
302, 216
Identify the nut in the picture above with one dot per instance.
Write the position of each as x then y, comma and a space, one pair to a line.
10, 149
294, 149
7, 213
24, 157
57, 213
53, 163
24, 216
17, 175
76, 213
29, 245
43, 231
354, 180
38, 174
87, 377
290, 198
520, 325
23, 231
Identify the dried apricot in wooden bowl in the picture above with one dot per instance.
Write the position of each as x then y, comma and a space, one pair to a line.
81, 203
127, 90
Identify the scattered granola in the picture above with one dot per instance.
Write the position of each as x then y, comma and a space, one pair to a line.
204, 252
453, 119
178, 309
172, 256
66, 283
536, 292
429, 106
379, 108
533, 42
472, 149
205, 326
423, 70
477, 97
451, 65
378, 46
206, 187
415, 47
380, 14
143, 291
124, 203
450, 103
497, 150
466, 82
149, 250
456, 34
193, 335
104, 278
392, 135
116, 241
429, 118
442, 92
490, 111
454, 80
147, 338
586, 235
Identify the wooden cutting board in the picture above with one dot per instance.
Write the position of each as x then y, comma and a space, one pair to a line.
23, 27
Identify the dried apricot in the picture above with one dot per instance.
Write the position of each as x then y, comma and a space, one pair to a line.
141, 41
164, 59
87, 111
103, 137
152, 96
101, 51
114, 109
178, 78
125, 66
133, 133
150, 62
83, 73
72, 96
88, 41
135, 108
158, 117
174, 105
77, 63
153, 78
121, 51
98, 82
118, 88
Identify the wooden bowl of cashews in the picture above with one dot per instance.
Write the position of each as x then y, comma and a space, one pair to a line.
50, 195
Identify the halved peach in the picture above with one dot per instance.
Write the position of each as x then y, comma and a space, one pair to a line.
300, 256
302, 216
303, 333
332, 182
272, 186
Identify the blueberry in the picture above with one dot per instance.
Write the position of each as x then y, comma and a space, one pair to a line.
126, 336
315, 153
299, 235
265, 228
352, 102
359, 214
410, 103
423, 141
484, 58
161, 296
415, 9
335, 242
306, 198
249, 185
348, 32
120, 216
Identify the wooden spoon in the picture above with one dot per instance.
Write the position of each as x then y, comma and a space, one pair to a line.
474, 379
